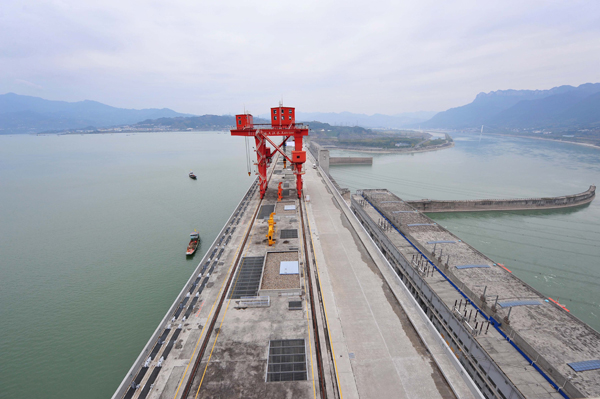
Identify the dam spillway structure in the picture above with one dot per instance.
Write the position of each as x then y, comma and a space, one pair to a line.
283, 123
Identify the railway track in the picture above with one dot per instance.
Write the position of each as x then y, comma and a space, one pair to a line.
223, 297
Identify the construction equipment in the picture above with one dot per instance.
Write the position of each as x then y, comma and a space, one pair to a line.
279, 191
283, 123
271, 232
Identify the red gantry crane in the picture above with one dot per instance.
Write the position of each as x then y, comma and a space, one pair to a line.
283, 123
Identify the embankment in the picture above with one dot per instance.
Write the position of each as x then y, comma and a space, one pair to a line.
567, 201
350, 161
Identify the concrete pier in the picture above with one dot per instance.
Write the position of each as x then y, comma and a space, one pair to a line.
350, 160
514, 204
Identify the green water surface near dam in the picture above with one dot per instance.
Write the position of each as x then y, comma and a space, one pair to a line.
93, 230
555, 251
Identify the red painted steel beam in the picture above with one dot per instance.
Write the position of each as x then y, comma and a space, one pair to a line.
278, 148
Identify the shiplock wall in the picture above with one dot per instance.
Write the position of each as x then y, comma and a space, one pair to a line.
567, 201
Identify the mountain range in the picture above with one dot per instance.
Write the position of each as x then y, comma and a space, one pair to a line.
562, 107
25, 114
559, 107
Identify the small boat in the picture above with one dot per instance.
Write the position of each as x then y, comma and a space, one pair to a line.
192, 175
193, 245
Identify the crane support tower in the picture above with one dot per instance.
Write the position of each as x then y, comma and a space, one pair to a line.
283, 124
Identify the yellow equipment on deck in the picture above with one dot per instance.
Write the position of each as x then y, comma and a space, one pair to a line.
271, 232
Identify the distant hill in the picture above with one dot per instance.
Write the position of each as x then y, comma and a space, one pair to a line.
397, 121
25, 114
327, 131
559, 107
203, 122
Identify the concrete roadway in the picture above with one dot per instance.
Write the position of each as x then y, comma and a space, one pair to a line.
378, 352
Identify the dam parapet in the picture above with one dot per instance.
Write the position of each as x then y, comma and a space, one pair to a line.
351, 161
512, 340
511, 204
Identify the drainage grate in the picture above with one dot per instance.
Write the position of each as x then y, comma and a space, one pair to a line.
265, 211
247, 280
287, 360
295, 305
291, 233
285, 193
286, 185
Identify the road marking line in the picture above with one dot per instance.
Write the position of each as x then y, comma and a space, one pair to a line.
337, 375
235, 283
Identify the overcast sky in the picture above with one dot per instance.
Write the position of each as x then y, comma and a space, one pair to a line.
321, 56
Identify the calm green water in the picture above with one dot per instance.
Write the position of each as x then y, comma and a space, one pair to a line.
555, 251
93, 232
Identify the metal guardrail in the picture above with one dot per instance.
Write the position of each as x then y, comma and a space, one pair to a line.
442, 310
254, 301
534, 358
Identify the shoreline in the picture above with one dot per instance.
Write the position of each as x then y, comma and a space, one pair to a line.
544, 139
382, 151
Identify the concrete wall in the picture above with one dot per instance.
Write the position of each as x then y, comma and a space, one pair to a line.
430, 298
567, 201
321, 155
350, 161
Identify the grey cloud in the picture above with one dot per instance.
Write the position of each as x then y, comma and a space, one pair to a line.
330, 56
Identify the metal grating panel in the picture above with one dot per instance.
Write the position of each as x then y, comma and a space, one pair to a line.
247, 281
287, 360
585, 365
295, 305
265, 211
285, 192
508, 304
471, 266
286, 185
278, 171
255, 301
290, 233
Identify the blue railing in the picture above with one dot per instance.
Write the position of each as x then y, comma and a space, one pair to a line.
492, 321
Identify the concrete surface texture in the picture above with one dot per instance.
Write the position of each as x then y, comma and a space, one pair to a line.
236, 364
272, 279
379, 353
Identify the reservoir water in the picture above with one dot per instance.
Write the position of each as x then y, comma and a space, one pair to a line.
93, 230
